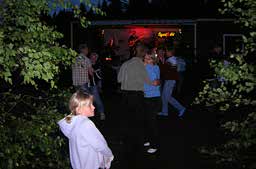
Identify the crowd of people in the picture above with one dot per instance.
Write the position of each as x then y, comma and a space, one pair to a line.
147, 81
87, 76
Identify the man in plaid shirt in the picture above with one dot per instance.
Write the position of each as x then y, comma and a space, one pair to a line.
81, 69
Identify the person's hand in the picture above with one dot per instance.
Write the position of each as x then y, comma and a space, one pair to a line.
108, 161
156, 83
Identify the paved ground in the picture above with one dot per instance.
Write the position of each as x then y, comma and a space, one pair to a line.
179, 138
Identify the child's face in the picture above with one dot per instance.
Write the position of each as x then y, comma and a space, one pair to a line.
86, 110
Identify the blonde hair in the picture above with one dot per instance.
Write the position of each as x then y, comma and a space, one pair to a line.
152, 55
77, 100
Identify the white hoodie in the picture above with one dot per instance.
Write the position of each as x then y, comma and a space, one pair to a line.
87, 147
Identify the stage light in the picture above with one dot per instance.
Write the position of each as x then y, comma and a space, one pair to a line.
108, 59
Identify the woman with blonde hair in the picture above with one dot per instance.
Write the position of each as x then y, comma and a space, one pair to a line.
87, 147
152, 102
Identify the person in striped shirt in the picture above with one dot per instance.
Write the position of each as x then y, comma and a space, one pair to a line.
81, 69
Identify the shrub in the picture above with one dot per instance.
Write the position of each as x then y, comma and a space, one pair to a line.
235, 94
30, 60
30, 137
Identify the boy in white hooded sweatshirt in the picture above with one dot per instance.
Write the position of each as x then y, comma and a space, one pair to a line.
87, 147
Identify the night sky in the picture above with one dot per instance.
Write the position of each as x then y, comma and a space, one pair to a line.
58, 9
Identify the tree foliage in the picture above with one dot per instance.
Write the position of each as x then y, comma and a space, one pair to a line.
30, 137
28, 45
30, 57
234, 91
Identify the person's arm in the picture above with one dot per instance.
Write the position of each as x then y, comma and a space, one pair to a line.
121, 75
157, 81
153, 83
158, 72
172, 61
92, 135
90, 68
90, 71
144, 73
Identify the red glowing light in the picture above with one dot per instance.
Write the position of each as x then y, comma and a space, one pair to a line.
108, 59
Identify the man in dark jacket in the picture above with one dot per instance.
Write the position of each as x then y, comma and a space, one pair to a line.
170, 75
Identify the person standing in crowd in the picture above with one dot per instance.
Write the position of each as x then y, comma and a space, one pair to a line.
152, 102
97, 70
160, 55
87, 147
161, 60
82, 69
95, 84
132, 76
181, 68
170, 75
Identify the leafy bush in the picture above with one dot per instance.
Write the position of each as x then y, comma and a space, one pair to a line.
28, 45
30, 137
234, 94
30, 57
